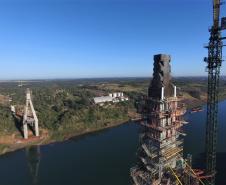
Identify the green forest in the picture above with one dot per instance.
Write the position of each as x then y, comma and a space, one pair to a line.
65, 107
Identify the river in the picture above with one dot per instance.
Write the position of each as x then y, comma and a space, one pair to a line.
102, 158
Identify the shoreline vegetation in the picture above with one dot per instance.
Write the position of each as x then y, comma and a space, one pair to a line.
65, 108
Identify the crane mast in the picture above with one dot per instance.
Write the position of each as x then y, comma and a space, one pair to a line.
216, 13
214, 61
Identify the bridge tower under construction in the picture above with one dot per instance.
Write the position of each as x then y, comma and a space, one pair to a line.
161, 138
30, 118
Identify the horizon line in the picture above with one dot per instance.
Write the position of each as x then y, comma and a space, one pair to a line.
90, 78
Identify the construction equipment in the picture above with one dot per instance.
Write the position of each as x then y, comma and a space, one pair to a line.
214, 61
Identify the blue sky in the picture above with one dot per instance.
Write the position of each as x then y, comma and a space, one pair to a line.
102, 38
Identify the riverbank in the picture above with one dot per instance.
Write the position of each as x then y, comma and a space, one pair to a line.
11, 144
65, 108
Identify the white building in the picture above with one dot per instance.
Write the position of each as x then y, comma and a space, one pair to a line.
113, 97
13, 109
103, 99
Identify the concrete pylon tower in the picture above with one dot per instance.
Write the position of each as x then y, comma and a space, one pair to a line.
30, 117
161, 145
161, 78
